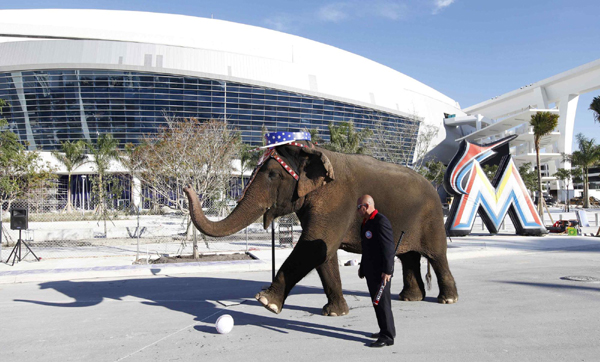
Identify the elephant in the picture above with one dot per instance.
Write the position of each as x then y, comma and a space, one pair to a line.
322, 187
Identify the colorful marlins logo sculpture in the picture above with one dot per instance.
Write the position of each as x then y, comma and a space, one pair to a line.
473, 193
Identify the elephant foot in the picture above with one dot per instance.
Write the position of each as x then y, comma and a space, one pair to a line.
411, 296
332, 309
447, 300
269, 301
448, 294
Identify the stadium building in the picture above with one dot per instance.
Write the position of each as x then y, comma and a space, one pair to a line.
75, 74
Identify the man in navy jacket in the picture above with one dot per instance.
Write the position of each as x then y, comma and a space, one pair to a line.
377, 265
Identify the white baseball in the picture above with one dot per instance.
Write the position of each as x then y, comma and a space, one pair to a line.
224, 324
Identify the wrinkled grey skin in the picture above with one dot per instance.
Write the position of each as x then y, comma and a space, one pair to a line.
324, 198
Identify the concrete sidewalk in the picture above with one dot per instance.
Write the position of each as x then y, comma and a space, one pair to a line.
520, 299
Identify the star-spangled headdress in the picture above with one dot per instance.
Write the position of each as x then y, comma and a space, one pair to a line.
275, 139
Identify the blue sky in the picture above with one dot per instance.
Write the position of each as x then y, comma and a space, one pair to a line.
470, 50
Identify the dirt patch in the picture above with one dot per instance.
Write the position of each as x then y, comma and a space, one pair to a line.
201, 258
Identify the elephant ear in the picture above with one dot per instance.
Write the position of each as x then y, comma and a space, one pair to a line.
314, 170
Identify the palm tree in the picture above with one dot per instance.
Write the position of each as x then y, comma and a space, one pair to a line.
315, 136
566, 176
104, 151
595, 107
345, 138
248, 160
543, 123
72, 156
587, 156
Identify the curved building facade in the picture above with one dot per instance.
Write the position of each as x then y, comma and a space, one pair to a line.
67, 75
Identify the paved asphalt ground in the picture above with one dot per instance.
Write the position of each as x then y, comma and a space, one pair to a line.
513, 306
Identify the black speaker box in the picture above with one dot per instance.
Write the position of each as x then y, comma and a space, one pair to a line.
18, 218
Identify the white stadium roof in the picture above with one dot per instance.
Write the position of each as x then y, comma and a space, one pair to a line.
178, 44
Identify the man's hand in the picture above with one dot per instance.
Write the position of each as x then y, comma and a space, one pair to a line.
385, 278
360, 275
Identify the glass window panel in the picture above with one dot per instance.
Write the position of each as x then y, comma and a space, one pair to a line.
115, 100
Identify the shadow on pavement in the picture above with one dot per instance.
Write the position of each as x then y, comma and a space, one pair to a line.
577, 286
198, 297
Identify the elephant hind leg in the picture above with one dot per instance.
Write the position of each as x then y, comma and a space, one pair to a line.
448, 293
329, 272
414, 289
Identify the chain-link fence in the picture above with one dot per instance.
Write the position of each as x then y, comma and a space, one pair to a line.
55, 232
87, 232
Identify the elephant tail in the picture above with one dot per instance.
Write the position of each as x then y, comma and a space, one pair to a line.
428, 275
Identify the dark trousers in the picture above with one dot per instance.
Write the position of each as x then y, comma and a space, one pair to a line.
383, 311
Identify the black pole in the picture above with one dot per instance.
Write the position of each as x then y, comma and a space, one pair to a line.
19, 242
273, 249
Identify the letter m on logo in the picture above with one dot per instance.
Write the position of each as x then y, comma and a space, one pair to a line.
474, 193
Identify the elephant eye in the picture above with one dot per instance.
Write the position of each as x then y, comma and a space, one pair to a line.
274, 174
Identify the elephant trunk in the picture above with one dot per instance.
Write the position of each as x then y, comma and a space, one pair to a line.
240, 217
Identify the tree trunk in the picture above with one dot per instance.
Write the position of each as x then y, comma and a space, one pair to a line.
102, 202
242, 168
586, 198
69, 206
195, 253
539, 172
567, 197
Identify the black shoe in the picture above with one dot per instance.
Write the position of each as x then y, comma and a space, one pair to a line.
382, 343
375, 335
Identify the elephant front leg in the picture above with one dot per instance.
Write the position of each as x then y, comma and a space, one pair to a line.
273, 297
329, 272
307, 255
